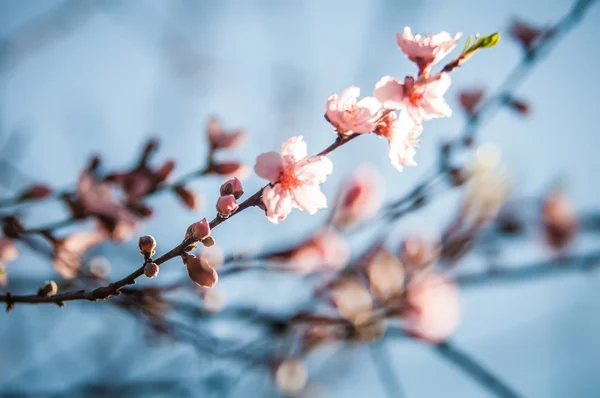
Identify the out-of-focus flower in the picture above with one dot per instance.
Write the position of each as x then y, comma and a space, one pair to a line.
434, 311
291, 376
232, 187
200, 271
402, 133
94, 198
214, 300
418, 253
220, 138
295, 180
214, 256
230, 169
226, 206
69, 251
352, 300
151, 270
326, 250
190, 199
8, 254
426, 51
386, 275
147, 244
99, 267
349, 116
359, 198
34, 192
488, 186
422, 99
559, 220
525, 34
470, 99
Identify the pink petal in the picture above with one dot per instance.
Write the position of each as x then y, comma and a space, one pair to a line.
314, 170
309, 198
268, 166
390, 92
278, 203
294, 149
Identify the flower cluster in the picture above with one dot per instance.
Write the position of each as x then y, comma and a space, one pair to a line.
294, 178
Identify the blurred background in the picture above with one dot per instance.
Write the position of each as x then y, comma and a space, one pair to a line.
79, 78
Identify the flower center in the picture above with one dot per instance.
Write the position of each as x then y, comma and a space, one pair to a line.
288, 179
415, 98
350, 113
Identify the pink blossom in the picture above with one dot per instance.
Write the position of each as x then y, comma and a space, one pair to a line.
359, 197
423, 98
386, 275
402, 133
428, 50
352, 299
226, 205
435, 308
348, 115
418, 253
200, 271
69, 251
8, 253
295, 180
219, 138
324, 251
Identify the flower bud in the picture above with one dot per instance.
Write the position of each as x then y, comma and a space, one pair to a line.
419, 253
209, 242
200, 271
147, 244
37, 191
232, 187
291, 376
165, 171
559, 220
49, 289
230, 169
151, 270
221, 139
187, 197
226, 206
470, 99
200, 230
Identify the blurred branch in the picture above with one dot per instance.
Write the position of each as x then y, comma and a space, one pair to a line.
384, 368
468, 365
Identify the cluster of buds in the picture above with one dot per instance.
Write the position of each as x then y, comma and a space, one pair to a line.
230, 192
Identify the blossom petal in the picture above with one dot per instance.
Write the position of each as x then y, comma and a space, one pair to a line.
268, 166
390, 92
309, 198
278, 203
314, 170
294, 149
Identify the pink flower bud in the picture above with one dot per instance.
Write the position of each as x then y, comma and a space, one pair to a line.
559, 220
165, 171
221, 139
226, 205
469, 99
232, 187
37, 191
524, 33
147, 244
201, 272
151, 270
199, 230
187, 197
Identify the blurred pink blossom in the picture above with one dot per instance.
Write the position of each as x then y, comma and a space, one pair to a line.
434, 311
426, 51
219, 138
423, 98
8, 253
386, 275
352, 299
470, 99
359, 197
418, 253
326, 250
68, 252
348, 115
294, 178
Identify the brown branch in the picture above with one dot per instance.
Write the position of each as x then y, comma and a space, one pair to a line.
113, 289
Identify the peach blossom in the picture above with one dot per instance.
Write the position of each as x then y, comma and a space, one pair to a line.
349, 116
434, 308
423, 98
325, 251
8, 253
386, 275
69, 251
222, 139
426, 51
295, 180
352, 299
359, 197
402, 133
418, 253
